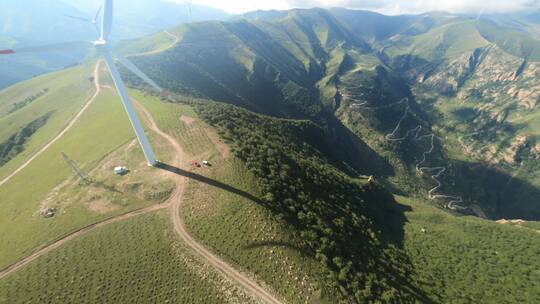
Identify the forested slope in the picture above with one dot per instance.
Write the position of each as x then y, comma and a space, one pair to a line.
374, 248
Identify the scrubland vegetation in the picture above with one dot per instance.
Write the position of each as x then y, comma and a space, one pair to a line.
137, 261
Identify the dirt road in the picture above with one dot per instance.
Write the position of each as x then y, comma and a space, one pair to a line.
64, 131
176, 201
75, 234
250, 286
175, 38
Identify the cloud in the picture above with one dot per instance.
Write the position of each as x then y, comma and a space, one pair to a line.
384, 6
419, 6
242, 6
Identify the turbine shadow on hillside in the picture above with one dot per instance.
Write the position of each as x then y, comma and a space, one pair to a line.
385, 260
209, 181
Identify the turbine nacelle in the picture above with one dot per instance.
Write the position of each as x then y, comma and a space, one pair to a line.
100, 43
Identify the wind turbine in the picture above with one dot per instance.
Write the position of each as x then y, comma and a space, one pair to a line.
103, 48
188, 2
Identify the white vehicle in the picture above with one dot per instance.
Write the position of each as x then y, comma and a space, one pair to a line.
121, 170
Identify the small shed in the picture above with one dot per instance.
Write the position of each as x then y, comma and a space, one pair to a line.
48, 213
121, 170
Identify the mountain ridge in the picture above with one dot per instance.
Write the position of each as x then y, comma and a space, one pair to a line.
304, 72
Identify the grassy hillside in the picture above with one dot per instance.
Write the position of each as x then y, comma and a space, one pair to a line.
53, 93
52, 182
115, 249
136, 261
149, 44
448, 40
466, 259
512, 41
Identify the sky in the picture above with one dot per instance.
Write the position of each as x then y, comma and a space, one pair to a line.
392, 7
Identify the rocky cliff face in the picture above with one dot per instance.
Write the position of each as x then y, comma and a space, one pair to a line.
496, 85
487, 73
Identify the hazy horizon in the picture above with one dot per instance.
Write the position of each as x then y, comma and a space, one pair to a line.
391, 7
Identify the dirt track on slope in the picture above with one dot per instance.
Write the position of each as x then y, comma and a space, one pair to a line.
176, 40
64, 131
83, 109
41, 252
250, 286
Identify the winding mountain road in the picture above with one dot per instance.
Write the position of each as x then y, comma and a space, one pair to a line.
433, 172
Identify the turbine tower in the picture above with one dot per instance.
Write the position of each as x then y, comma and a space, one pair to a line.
104, 49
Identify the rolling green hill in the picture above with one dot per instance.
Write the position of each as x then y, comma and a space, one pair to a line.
61, 96
49, 177
126, 262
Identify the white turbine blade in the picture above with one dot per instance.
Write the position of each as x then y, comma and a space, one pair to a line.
92, 22
106, 19
133, 68
97, 15
130, 109
96, 23
78, 18
50, 48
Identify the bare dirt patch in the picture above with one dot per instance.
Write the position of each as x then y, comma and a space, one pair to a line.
223, 149
505, 221
188, 121
102, 206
